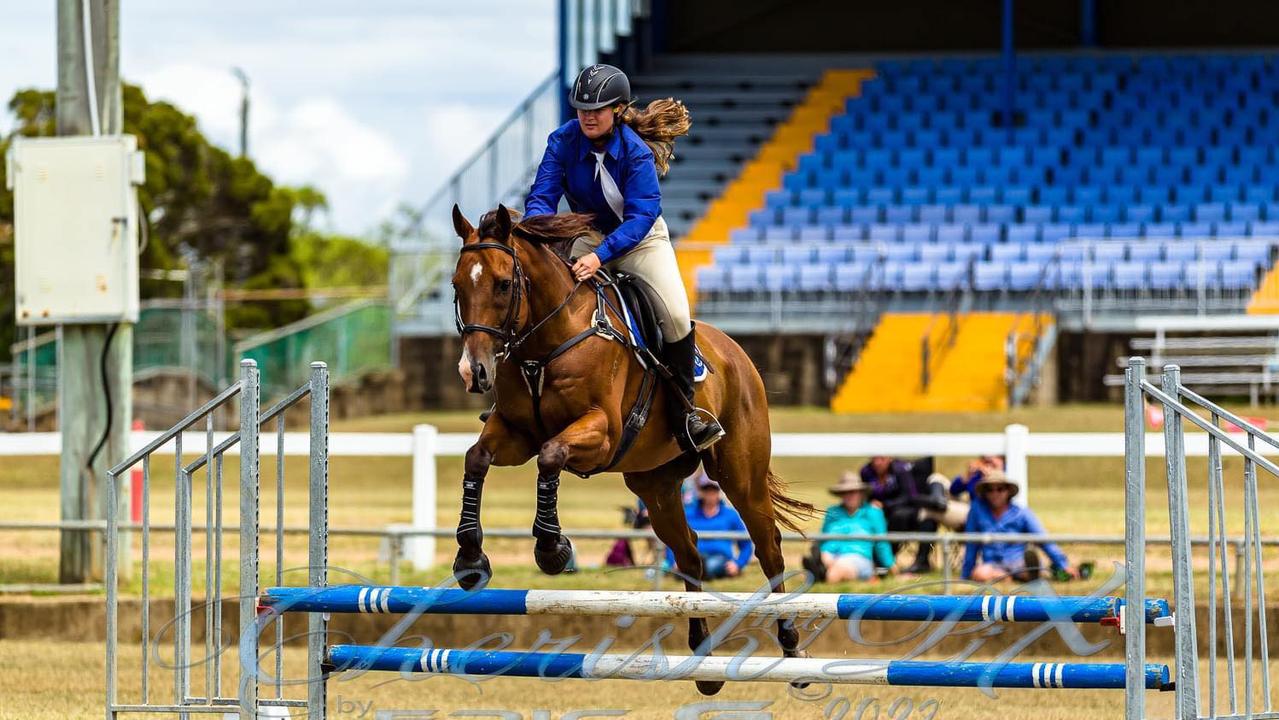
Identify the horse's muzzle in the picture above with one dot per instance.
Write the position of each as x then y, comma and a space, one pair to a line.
480, 381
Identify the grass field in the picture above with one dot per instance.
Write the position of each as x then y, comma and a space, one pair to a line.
1077, 495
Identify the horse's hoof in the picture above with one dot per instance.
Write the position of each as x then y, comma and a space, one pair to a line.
709, 687
555, 560
471, 573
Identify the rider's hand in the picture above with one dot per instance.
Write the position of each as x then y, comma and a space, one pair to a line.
585, 267
731, 568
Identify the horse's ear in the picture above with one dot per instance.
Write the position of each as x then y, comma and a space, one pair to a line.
503, 218
461, 225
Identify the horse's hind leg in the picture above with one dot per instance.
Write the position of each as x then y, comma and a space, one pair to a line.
740, 464
660, 492
497, 445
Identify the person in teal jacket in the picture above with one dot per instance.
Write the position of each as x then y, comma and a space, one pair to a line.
853, 559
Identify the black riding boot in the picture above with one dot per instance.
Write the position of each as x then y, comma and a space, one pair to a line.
696, 430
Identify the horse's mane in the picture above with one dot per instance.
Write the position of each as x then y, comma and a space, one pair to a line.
556, 232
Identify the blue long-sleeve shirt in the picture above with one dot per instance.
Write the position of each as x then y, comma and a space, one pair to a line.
867, 520
726, 520
1016, 519
965, 484
568, 170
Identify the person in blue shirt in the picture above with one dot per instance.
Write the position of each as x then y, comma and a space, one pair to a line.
606, 162
992, 511
853, 559
720, 558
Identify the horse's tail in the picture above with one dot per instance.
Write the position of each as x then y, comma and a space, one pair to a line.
789, 511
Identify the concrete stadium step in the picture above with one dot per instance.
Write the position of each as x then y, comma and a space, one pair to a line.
886, 376
687, 152
686, 192
726, 135
658, 85
970, 376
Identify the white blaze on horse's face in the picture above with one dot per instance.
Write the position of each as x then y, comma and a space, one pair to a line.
464, 367
476, 271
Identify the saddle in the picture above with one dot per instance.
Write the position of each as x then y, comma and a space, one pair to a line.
645, 324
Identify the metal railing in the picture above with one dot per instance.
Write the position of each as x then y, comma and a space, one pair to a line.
247, 390
939, 339
1030, 341
1182, 406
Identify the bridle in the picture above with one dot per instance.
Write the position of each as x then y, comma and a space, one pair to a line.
506, 332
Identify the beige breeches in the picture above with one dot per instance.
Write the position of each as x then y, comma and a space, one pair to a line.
653, 261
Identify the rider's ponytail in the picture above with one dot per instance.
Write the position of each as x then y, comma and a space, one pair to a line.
658, 125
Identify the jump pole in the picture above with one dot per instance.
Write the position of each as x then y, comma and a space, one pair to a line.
916, 608
473, 663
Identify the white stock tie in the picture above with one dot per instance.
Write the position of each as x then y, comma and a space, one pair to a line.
611, 194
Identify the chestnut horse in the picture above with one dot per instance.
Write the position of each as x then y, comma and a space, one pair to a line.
518, 303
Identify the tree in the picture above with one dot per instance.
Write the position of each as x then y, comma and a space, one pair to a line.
200, 202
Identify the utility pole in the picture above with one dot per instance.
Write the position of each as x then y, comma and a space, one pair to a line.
244, 110
89, 102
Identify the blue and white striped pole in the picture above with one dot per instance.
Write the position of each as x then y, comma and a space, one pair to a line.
915, 608
474, 663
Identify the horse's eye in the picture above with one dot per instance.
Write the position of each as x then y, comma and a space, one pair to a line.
504, 286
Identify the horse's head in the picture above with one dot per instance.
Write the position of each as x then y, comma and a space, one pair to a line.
488, 288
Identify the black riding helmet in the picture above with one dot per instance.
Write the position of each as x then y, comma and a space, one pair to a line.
599, 86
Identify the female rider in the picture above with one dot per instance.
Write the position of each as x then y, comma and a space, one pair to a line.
606, 162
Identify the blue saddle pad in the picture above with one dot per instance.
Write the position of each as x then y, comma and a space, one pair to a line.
637, 337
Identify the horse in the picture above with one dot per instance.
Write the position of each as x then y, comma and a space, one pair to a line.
518, 307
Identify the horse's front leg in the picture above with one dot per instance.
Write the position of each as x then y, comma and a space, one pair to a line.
584, 445
497, 445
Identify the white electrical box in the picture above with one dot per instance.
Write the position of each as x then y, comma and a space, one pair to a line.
76, 228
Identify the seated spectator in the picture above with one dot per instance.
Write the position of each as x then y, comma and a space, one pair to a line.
949, 506
841, 560
993, 512
710, 512
895, 488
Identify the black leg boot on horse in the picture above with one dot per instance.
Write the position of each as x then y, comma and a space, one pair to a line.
471, 566
553, 552
697, 429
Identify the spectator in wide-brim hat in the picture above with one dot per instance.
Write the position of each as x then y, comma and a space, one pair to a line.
709, 512
993, 512
840, 560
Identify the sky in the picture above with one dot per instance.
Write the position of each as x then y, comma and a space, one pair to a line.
373, 102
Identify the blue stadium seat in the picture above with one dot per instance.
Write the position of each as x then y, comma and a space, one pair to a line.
1174, 213
966, 214
796, 216
744, 279
814, 278
1230, 229
916, 195
730, 255
1121, 194
1055, 232
761, 218
712, 279
917, 233
848, 233
1210, 212
990, 276
1145, 251
1053, 196
865, 254
1159, 230
779, 278
949, 195
833, 254
1140, 213
1224, 193
968, 252
917, 278
1070, 213
1023, 233
1041, 253
881, 196
1123, 230
1037, 214
952, 234
1238, 275
1216, 251
933, 213
1128, 276
1104, 213
1163, 275
1267, 229
1001, 213
1006, 253
777, 199
1090, 230
1016, 195
882, 232
900, 252
1181, 251
761, 254
932, 254
897, 214
865, 214
1024, 276
744, 235
984, 233
778, 234
847, 197
1108, 252
1202, 273
950, 275
1152, 195
982, 194
831, 215
1194, 230
1259, 194
799, 254
849, 277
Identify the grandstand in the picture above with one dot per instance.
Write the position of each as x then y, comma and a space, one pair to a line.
946, 222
